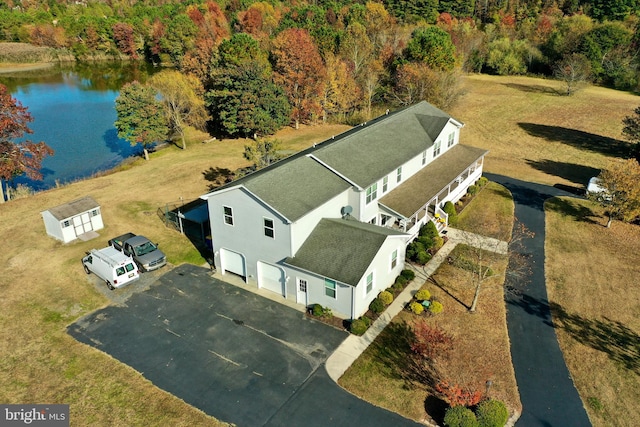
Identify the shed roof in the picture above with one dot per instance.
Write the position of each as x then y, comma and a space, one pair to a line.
341, 249
73, 208
411, 195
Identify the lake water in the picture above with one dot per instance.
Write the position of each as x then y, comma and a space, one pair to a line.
73, 110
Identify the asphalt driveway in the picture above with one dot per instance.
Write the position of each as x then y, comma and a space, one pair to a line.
237, 356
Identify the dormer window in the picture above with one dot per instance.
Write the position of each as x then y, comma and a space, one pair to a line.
452, 136
399, 174
424, 157
436, 149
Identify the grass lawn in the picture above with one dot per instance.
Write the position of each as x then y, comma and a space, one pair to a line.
481, 347
44, 287
592, 281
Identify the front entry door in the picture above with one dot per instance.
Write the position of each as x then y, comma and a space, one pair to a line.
302, 292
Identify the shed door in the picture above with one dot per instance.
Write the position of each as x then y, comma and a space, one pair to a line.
232, 262
82, 224
271, 277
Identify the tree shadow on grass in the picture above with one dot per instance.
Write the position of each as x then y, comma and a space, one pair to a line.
571, 208
534, 88
616, 340
575, 173
579, 139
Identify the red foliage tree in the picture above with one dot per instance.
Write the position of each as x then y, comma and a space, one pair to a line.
430, 341
455, 394
17, 158
124, 39
299, 69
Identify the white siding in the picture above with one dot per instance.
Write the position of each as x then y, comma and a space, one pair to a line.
247, 235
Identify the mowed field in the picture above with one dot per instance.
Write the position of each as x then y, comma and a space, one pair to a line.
532, 134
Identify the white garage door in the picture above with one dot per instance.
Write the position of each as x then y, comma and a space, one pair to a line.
232, 262
271, 277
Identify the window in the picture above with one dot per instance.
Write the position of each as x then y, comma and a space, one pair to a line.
369, 282
330, 288
269, 229
394, 259
436, 149
373, 221
424, 157
399, 174
66, 223
302, 285
228, 215
451, 139
95, 212
372, 193
385, 184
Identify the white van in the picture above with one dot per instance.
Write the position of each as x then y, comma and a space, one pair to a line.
112, 266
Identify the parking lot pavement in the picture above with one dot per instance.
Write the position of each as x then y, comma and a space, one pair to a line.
233, 354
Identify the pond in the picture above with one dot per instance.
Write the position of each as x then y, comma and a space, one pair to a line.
73, 110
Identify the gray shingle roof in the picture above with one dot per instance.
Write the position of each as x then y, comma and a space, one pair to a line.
341, 249
73, 208
426, 184
297, 187
377, 149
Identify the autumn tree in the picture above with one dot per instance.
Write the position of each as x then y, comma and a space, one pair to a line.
341, 93
141, 119
631, 131
263, 152
433, 47
416, 82
621, 191
124, 38
17, 158
370, 81
299, 69
182, 98
574, 70
356, 47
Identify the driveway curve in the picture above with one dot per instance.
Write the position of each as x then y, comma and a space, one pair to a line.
549, 397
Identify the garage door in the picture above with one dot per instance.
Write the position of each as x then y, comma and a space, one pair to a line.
271, 277
232, 262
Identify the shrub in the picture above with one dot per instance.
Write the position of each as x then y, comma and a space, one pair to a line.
472, 190
423, 295
317, 310
425, 241
438, 242
429, 341
397, 286
482, 181
423, 257
416, 307
408, 274
436, 307
401, 280
428, 230
358, 327
492, 413
386, 297
366, 320
377, 306
450, 209
460, 416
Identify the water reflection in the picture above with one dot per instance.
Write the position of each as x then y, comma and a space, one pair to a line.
73, 107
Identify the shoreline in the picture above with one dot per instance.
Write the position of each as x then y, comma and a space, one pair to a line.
15, 67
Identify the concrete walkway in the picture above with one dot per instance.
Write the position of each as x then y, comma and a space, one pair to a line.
351, 348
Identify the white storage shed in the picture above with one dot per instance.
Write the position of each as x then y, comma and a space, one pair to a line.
72, 220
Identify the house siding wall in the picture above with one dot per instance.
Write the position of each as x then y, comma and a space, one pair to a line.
341, 305
52, 225
383, 274
247, 236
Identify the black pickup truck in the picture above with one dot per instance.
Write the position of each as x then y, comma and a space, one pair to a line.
144, 253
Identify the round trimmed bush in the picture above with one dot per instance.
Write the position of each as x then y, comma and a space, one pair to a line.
401, 280
438, 242
423, 295
377, 306
408, 274
386, 297
423, 257
428, 230
472, 190
482, 181
366, 320
450, 209
460, 416
358, 327
492, 413
416, 307
436, 307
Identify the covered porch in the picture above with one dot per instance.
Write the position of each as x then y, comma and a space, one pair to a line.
421, 197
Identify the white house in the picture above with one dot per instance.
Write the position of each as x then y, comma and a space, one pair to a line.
330, 224
69, 221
